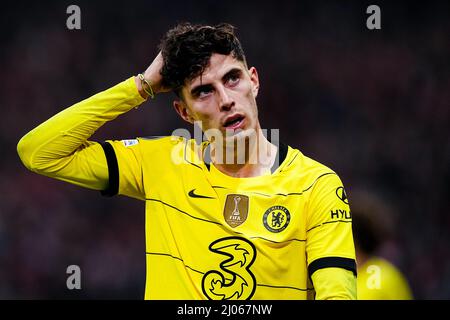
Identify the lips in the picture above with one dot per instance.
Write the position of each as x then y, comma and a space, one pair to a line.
234, 121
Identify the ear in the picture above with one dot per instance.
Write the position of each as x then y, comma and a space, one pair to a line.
255, 80
184, 112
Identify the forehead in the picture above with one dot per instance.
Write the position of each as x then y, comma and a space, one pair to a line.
219, 65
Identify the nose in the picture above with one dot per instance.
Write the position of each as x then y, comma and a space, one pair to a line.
226, 102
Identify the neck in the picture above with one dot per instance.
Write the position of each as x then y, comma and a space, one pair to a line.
243, 157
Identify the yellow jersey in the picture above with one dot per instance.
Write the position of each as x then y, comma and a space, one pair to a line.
213, 236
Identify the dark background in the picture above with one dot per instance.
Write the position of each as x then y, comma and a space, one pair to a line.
371, 104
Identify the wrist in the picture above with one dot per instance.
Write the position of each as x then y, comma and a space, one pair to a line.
146, 86
140, 88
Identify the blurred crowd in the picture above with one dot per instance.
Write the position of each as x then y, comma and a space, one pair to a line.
374, 105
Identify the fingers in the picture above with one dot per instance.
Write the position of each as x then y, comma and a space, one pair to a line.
153, 74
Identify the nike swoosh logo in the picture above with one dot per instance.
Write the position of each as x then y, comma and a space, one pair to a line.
192, 194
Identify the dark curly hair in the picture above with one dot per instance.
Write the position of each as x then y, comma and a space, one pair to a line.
187, 48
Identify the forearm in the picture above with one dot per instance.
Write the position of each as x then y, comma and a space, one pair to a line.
60, 145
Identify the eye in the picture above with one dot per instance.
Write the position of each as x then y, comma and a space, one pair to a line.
204, 93
233, 80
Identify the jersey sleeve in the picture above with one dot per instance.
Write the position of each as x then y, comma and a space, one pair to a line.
334, 284
60, 148
124, 159
139, 164
329, 226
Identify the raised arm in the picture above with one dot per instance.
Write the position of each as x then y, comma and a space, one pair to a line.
59, 147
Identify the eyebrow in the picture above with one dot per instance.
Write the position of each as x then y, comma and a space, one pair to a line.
234, 71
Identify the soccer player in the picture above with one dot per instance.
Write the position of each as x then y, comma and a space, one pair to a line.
235, 216
378, 278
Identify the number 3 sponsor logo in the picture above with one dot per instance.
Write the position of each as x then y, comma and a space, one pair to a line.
234, 280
